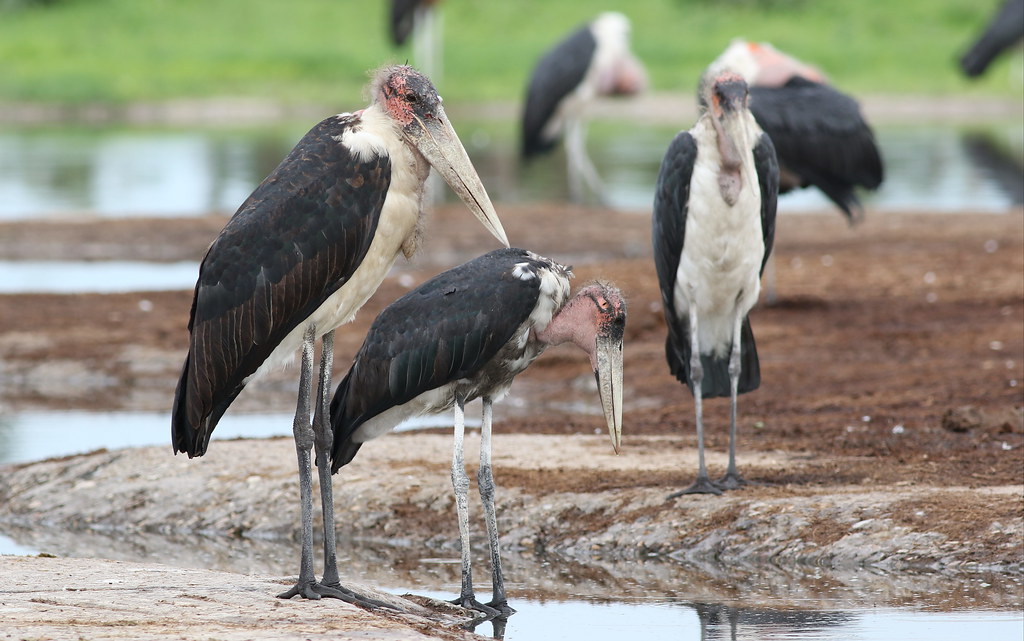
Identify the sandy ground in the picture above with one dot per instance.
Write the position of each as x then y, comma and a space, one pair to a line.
887, 433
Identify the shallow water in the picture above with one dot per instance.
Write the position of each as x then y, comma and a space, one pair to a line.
32, 436
75, 172
603, 601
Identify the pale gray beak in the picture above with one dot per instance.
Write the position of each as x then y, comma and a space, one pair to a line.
440, 145
609, 383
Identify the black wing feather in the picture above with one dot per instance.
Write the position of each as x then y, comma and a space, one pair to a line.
555, 76
445, 330
820, 135
767, 167
292, 243
668, 229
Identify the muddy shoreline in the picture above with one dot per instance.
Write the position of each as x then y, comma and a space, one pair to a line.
887, 437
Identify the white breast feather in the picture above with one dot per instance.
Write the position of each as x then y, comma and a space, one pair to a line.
719, 268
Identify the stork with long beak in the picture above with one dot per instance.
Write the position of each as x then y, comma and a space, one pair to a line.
465, 334
301, 255
714, 221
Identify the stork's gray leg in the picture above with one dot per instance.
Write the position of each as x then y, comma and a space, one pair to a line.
460, 481
580, 168
485, 481
703, 484
323, 437
303, 433
732, 478
770, 294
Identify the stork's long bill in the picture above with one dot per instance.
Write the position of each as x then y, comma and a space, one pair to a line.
609, 383
607, 357
411, 101
440, 145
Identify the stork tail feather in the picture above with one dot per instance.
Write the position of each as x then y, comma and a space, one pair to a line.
716, 368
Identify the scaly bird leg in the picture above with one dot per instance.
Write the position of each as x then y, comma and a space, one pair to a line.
323, 437
460, 481
485, 482
303, 433
732, 479
703, 484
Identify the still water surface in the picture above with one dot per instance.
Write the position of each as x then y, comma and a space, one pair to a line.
116, 173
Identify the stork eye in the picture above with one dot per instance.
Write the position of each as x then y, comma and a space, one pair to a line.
411, 97
603, 303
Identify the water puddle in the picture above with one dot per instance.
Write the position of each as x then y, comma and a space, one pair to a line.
127, 173
32, 436
95, 277
650, 599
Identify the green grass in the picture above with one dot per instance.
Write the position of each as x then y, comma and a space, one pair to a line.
116, 51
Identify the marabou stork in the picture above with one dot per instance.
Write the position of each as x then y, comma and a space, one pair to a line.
420, 19
301, 255
595, 60
714, 222
820, 136
465, 334
1004, 30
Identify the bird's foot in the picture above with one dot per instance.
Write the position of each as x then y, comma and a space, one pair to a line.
315, 590
469, 602
502, 606
304, 589
732, 481
337, 591
702, 485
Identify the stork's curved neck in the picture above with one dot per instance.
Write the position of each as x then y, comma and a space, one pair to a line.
572, 323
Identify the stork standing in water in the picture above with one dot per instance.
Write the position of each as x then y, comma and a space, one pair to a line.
465, 334
595, 60
819, 133
714, 221
301, 255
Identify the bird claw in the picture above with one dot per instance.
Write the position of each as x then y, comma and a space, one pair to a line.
470, 603
503, 608
304, 589
315, 590
702, 485
732, 481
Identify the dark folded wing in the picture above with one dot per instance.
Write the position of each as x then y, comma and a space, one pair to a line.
293, 243
445, 330
555, 76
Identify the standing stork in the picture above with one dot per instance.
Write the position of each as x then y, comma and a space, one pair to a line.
819, 134
465, 334
1004, 30
301, 255
714, 222
422, 20
595, 60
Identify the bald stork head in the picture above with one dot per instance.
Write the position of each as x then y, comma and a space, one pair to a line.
726, 94
595, 320
411, 102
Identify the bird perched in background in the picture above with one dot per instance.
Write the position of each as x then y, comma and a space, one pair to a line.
1004, 30
820, 136
301, 255
465, 334
714, 222
595, 60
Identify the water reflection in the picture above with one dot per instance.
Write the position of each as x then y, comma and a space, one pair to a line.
129, 173
603, 600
